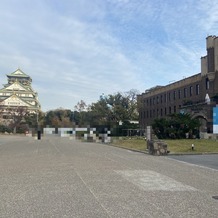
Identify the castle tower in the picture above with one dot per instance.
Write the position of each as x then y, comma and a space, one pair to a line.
19, 93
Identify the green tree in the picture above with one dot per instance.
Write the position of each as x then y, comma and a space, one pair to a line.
176, 126
116, 107
108, 110
101, 112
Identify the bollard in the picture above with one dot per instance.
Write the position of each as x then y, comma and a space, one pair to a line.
39, 134
193, 146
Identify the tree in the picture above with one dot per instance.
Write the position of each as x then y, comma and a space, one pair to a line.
81, 106
17, 116
20, 119
132, 102
108, 110
117, 107
80, 113
101, 112
59, 118
35, 119
176, 126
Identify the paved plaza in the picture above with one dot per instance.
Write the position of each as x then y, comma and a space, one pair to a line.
62, 177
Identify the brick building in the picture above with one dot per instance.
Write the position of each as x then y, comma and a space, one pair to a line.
195, 95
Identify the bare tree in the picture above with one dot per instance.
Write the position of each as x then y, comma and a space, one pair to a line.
81, 106
16, 116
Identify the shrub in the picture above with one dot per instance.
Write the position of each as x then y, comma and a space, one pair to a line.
176, 126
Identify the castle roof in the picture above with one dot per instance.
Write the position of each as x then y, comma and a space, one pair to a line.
18, 73
16, 86
14, 100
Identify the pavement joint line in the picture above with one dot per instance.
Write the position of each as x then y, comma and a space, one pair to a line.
118, 162
92, 193
58, 150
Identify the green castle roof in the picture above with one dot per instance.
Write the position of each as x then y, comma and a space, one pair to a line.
18, 73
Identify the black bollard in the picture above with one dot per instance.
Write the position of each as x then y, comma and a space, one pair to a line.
39, 134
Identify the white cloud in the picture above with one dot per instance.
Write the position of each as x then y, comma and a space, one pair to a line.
209, 20
73, 52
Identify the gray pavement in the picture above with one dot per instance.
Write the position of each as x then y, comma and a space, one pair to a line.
204, 160
60, 177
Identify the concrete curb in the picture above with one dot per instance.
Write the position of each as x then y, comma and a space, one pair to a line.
207, 153
178, 154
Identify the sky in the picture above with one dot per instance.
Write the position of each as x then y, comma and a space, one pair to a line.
80, 49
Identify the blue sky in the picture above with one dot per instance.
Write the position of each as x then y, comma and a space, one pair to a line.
78, 49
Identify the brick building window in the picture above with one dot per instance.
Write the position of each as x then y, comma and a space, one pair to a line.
191, 90
207, 84
161, 99
197, 89
185, 92
179, 94
174, 95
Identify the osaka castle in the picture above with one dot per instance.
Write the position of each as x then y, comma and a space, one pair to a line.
19, 93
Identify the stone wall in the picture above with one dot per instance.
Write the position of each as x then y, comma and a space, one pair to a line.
157, 147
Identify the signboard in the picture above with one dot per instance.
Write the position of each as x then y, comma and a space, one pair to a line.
215, 120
